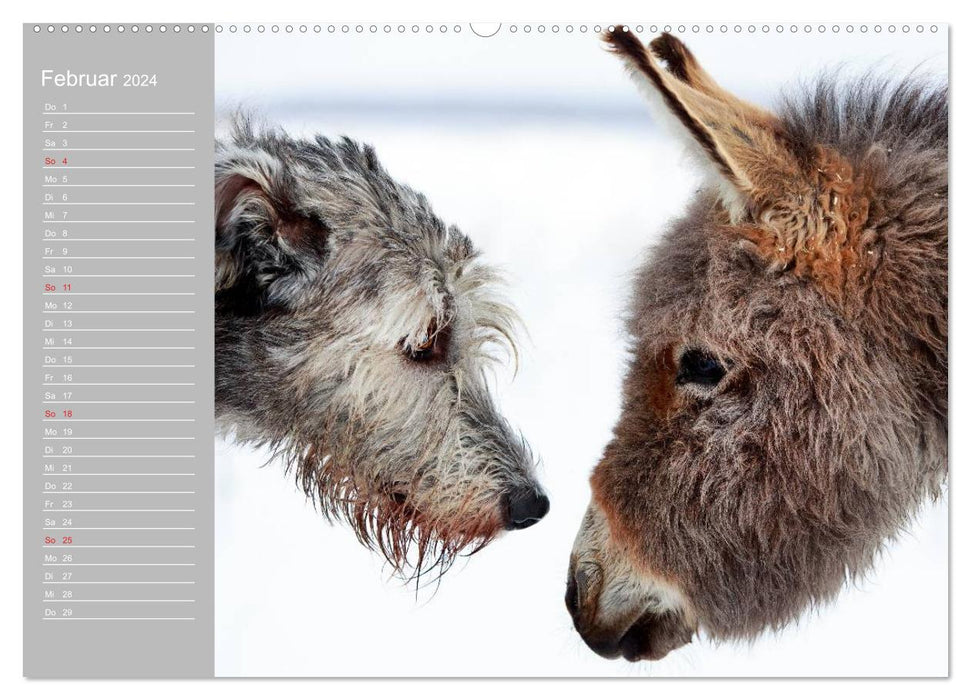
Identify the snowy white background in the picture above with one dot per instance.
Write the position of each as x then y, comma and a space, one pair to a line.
539, 148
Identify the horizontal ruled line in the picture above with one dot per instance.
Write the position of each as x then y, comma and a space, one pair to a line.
119, 167
116, 437
117, 149
118, 619
158, 114
141, 493
121, 366
115, 240
117, 221
150, 402
117, 257
118, 204
118, 330
123, 564
119, 528
71, 601
73, 474
119, 294
120, 384
120, 457
119, 311
118, 546
119, 347
119, 131
119, 420
127, 185
119, 510
118, 583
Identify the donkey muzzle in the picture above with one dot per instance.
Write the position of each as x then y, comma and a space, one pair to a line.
650, 637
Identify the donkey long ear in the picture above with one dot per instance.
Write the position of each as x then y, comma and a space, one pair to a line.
683, 65
742, 142
262, 237
805, 213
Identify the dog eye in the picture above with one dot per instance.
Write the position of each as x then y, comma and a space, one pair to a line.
434, 347
698, 367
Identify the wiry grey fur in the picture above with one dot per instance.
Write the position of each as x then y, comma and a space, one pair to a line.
328, 274
737, 506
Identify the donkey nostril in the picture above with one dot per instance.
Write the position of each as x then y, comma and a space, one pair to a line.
526, 508
572, 595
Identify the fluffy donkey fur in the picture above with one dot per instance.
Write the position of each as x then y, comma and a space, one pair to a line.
353, 334
785, 406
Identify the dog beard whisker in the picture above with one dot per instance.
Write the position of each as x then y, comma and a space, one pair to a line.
412, 543
414, 535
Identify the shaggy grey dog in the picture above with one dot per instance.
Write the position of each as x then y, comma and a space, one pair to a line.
785, 406
353, 334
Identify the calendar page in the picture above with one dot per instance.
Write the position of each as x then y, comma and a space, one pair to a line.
550, 349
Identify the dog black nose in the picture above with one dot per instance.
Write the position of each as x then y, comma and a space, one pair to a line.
526, 507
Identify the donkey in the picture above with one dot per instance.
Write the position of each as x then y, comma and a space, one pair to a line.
353, 335
784, 410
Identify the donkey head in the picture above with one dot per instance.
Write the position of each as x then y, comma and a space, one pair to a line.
354, 331
784, 409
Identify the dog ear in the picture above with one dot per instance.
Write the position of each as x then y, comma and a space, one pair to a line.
263, 239
743, 143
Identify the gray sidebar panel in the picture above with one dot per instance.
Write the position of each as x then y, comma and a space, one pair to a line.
118, 351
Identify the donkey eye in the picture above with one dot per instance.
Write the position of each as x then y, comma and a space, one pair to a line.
698, 367
433, 348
